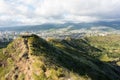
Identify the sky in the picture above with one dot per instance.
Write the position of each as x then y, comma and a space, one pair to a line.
30, 12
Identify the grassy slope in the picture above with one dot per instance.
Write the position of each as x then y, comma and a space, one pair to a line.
110, 46
88, 46
4, 59
59, 60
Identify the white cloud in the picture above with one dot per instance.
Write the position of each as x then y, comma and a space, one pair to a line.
4, 8
51, 11
73, 18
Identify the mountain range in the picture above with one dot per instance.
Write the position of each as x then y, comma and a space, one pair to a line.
74, 26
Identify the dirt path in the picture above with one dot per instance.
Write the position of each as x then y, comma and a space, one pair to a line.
23, 65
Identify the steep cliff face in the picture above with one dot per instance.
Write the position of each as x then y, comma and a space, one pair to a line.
33, 58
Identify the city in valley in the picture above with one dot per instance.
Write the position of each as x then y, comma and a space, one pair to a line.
61, 33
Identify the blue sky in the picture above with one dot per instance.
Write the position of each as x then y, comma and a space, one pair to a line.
30, 12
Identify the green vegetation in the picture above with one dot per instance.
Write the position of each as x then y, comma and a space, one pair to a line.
4, 61
109, 45
31, 57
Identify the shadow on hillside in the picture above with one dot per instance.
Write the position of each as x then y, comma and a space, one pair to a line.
86, 65
81, 45
104, 71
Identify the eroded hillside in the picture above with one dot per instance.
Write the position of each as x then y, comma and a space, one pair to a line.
33, 58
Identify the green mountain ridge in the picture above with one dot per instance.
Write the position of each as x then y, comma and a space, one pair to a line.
33, 58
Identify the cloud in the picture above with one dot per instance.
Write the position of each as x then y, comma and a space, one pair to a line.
57, 11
